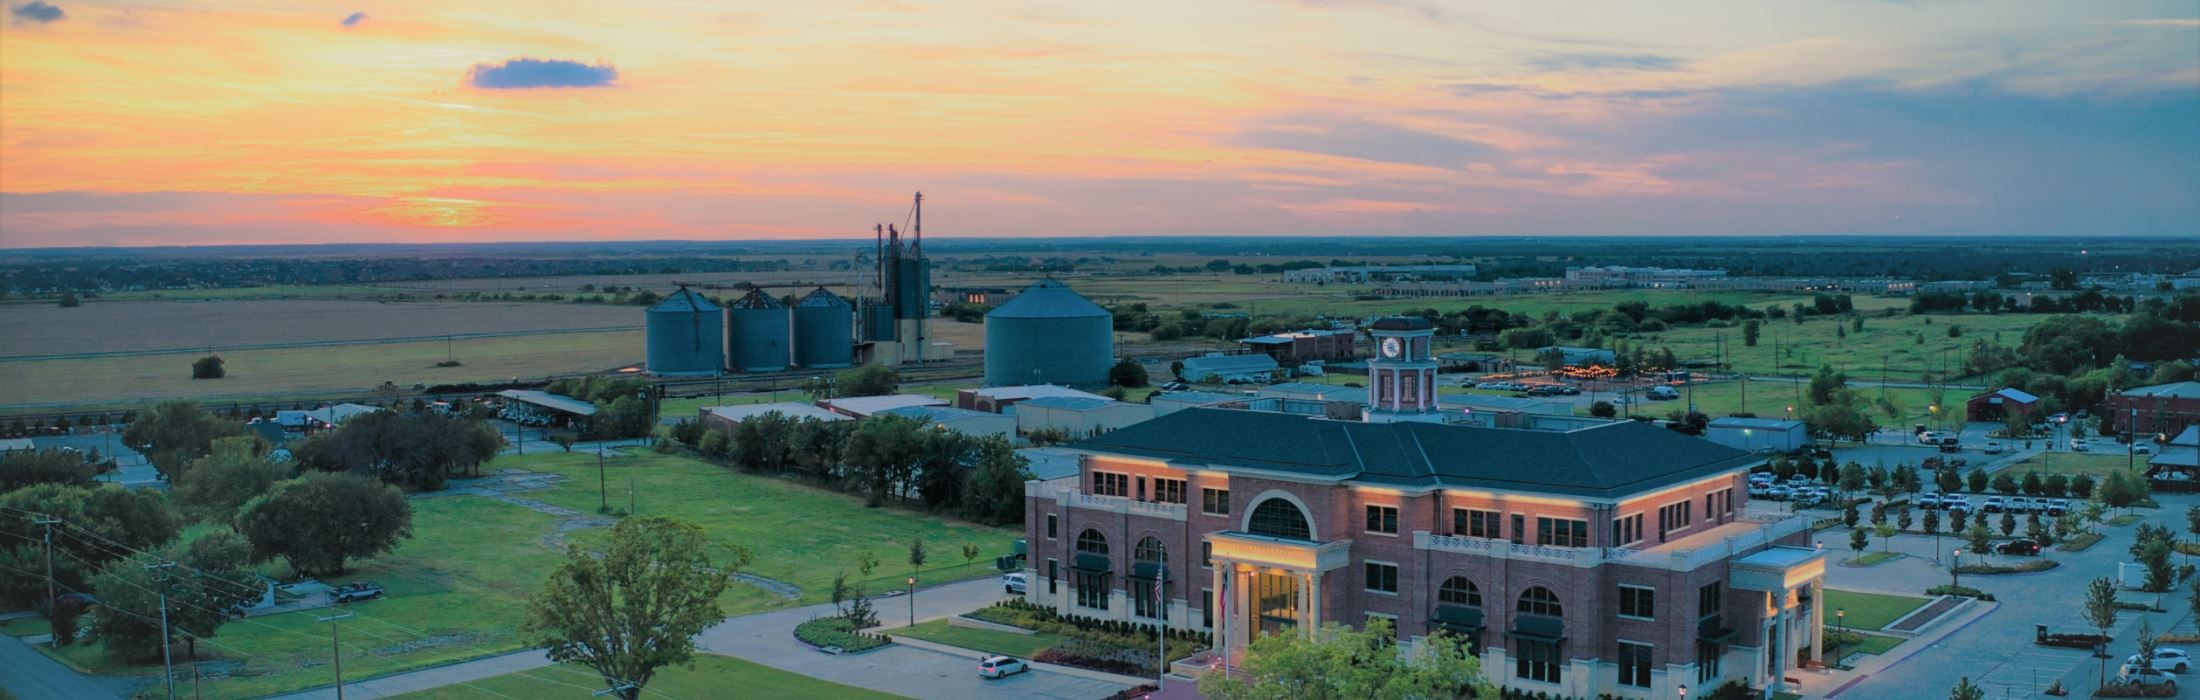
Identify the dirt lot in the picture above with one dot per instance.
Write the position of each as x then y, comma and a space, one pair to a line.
172, 325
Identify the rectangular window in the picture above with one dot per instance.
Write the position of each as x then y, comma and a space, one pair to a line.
1141, 488
1382, 519
1636, 601
1207, 554
1207, 610
1707, 661
1519, 528
1092, 589
1051, 525
1726, 501
1053, 576
1560, 532
1674, 517
1382, 578
1476, 523
1634, 664
1391, 620
1146, 599
1214, 501
1710, 507
1537, 661
1708, 600
1168, 490
1626, 530
1111, 484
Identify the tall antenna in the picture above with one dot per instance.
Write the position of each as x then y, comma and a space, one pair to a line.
916, 250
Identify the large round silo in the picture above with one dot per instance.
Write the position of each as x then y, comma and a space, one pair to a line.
824, 331
1049, 335
759, 334
683, 335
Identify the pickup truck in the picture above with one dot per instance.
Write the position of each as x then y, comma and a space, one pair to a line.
355, 591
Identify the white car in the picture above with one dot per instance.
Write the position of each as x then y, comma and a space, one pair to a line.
2167, 659
1000, 667
1013, 583
1930, 501
2138, 677
2140, 448
2079, 446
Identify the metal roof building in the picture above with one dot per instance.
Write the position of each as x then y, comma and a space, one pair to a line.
554, 402
864, 406
1753, 434
961, 420
792, 409
1049, 334
1258, 367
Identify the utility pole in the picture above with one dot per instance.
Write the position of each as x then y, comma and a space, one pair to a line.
603, 486
336, 648
48, 523
167, 660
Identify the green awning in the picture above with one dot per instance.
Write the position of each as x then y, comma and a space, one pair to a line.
1712, 629
1148, 571
1096, 563
1539, 628
1458, 618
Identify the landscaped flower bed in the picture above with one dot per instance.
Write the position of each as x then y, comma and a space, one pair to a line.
1101, 645
2024, 568
827, 632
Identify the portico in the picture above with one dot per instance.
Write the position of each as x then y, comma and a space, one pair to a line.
1793, 580
1270, 585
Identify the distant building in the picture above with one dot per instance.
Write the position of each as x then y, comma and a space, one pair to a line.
319, 418
1642, 277
1362, 274
961, 420
997, 399
1168, 402
1475, 362
1580, 357
1992, 405
1229, 369
1293, 347
2162, 409
1314, 392
1079, 417
1753, 434
2180, 456
865, 406
542, 408
725, 417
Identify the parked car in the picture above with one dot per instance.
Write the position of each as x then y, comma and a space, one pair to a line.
2140, 448
1176, 386
1951, 446
1013, 583
2059, 418
1762, 477
2168, 659
1798, 480
2079, 446
2018, 547
1779, 493
2058, 507
356, 591
1000, 667
2019, 504
1993, 504
1930, 501
1758, 489
2142, 677
1955, 462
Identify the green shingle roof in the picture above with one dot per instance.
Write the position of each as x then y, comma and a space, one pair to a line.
1609, 460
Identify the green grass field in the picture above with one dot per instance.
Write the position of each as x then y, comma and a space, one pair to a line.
25, 627
1785, 347
1875, 558
2098, 465
713, 676
1018, 645
1870, 611
1876, 643
799, 534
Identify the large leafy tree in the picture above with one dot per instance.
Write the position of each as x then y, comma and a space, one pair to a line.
20, 468
996, 494
209, 577
637, 605
872, 379
941, 476
317, 522
175, 432
96, 525
418, 449
882, 454
1336, 663
236, 471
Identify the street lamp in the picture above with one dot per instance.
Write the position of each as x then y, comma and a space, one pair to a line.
1954, 566
1684, 691
912, 601
1841, 627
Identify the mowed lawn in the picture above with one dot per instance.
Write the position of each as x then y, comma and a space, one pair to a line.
1785, 347
800, 534
456, 590
713, 676
1871, 611
2068, 463
1022, 646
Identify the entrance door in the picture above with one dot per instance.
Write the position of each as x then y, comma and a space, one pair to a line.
1276, 600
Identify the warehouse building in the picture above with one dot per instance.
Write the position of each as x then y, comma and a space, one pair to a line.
1079, 417
542, 408
2162, 409
1992, 405
1049, 335
997, 399
1754, 434
865, 406
1229, 369
1168, 402
978, 424
1295, 347
1579, 357
725, 417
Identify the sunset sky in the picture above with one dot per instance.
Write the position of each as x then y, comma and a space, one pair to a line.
144, 122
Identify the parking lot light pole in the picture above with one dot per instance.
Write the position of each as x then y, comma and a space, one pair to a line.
912, 601
1955, 566
1841, 627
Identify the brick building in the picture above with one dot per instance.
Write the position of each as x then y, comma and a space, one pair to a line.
1610, 559
1295, 347
2162, 409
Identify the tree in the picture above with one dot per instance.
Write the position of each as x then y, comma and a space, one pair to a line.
20, 468
2008, 524
1750, 329
2004, 483
2121, 489
564, 439
940, 471
1902, 520
175, 432
1043, 437
69, 300
1965, 691
317, 522
970, 553
207, 581
2100, 610
1858, 539
1127, 373
1931, 522
1848, 515
917, 555
1976, 480
1979, 538
2031, 485
422, 450
1947, 480
94, 519
235, 471
637, 605
1885, 531
208, 367
872, 379
1852, 478
2055, 485
996, 493
1603, 409
2082, 486
882, 454
1337, 663
2192, 524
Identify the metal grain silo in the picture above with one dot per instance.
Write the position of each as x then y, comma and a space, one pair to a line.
1049, 335
759, 334
683, 335
824, 331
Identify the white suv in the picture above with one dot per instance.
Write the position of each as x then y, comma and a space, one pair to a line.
1013, 583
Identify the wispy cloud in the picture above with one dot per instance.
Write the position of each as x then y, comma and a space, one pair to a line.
354, 19
2172, 22
540, 73
37, 11
1603, 62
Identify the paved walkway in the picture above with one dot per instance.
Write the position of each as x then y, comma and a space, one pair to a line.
768, 639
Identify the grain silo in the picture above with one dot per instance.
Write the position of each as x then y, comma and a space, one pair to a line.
824, 331
759, 334
1049, 335
683, 337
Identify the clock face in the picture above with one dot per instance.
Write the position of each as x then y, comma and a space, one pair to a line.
1390, 347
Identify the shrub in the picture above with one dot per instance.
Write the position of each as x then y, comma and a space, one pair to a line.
1990, 569
1965, 591
2138, 691
824, 632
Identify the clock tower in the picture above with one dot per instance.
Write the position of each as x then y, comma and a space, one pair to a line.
1402, 375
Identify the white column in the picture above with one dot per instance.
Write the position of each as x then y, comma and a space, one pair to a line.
1818, 620
1221, 632
1314, 600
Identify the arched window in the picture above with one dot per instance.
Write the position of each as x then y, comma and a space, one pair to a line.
1149, 578
1149, 551
1092, 542
1540, 601
1277, 517
1457, 590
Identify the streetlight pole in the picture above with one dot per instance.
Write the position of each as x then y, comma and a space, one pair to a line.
1841, 627
336, 649
603, 484
912, 601
167, 661
1955, 569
